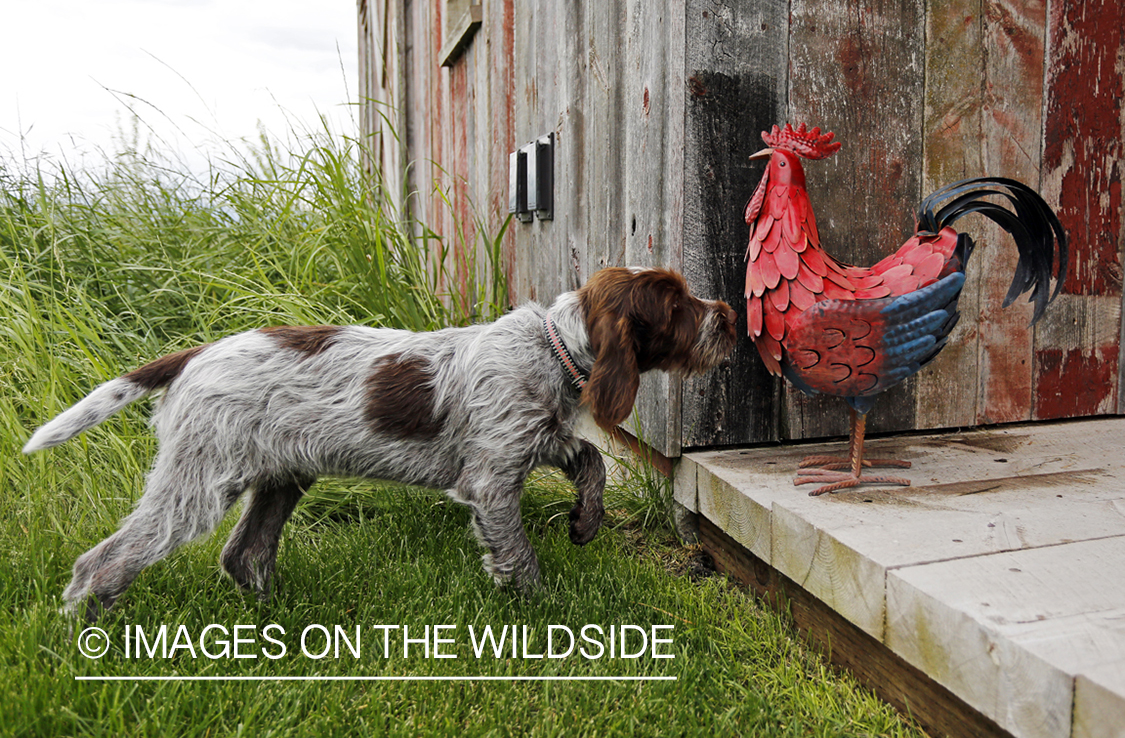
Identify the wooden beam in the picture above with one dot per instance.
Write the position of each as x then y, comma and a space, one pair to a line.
644, 452
462, 34
905, 687
736, 79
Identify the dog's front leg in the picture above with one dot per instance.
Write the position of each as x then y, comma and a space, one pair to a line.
587, 471
495, 501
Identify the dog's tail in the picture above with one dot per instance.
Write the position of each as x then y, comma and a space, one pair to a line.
109, 398
104, 401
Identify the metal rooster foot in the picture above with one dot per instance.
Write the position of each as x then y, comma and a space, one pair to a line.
827, 468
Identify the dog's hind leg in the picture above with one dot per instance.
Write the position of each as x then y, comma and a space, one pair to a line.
495, 502
183, 500
250, 553
586, 471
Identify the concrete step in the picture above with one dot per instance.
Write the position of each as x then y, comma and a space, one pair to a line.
1000, 573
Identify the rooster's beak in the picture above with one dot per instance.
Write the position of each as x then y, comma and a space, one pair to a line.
763, 154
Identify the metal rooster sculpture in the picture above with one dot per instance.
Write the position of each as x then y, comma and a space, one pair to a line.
855, 332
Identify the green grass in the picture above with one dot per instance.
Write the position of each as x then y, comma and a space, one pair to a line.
101, 271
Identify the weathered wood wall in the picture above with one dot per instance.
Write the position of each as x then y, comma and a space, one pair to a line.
607, 78
382, 83
656, 104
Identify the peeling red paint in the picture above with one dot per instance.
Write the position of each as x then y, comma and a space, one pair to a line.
853, 63
462, 235
1076, 382
1014, 29
1083, 147
1005, 371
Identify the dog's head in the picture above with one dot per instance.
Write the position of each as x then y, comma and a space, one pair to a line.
642, 319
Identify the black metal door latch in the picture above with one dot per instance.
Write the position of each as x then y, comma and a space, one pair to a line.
531, 180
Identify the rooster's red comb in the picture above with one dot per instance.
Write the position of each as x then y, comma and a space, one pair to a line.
802, 142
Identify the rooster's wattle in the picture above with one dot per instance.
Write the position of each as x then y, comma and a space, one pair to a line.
854, 332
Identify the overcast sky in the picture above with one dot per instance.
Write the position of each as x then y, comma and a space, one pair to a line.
195, 71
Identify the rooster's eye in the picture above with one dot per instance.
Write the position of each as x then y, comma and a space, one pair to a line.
781, 163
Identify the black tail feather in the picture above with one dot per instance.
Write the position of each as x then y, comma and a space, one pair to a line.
1034, 227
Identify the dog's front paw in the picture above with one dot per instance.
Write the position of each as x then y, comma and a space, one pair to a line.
584, 523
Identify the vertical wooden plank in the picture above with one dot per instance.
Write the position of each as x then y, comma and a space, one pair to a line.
653, 180
1012, 120
653, 146
435, 183
381, 94
946, 392
545, 90
364, 52
571, 148
458, 236
535, 90
605, 149
522, 283
410, 130
984, 63
395, 45
671, 174
423, 107
736, 72
536, 98
674, 109
480, 152
1077, 361
500, 28
858, 71
442, 119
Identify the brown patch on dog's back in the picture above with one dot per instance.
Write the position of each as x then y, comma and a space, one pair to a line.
400, 398
308, 339
160, 373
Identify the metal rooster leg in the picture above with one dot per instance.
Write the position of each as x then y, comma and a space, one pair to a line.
855, 332
829, 466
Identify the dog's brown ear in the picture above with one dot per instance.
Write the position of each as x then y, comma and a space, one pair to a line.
614, 380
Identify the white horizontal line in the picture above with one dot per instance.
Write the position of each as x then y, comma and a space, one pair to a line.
376, 678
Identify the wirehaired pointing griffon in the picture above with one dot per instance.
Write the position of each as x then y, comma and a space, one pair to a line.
469, 410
